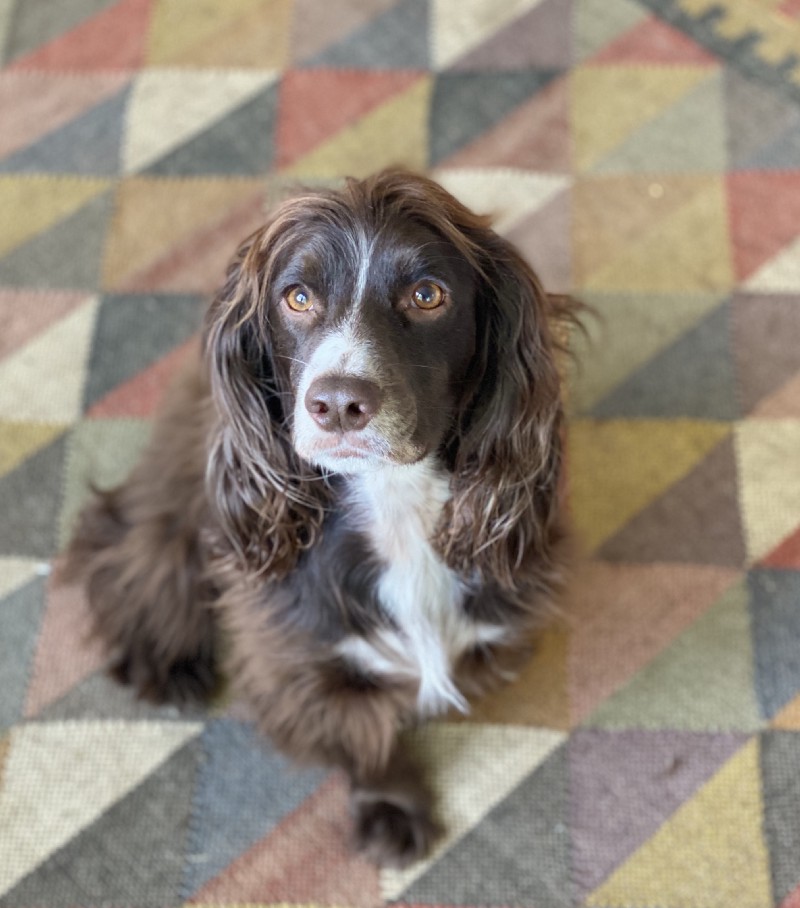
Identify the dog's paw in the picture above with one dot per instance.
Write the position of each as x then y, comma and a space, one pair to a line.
184, 682
393, 833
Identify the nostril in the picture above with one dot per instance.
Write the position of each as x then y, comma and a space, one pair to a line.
342, 403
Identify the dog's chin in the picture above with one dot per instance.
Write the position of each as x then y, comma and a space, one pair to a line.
354, 458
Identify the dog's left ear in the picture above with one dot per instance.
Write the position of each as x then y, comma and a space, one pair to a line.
507, 450
267, 501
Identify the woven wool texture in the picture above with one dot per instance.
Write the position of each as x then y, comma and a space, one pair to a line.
644, 155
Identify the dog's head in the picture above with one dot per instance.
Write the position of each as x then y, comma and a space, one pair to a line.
379, 325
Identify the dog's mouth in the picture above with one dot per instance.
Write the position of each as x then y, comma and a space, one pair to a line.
355, 453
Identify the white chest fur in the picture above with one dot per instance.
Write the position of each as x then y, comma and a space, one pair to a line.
399, 508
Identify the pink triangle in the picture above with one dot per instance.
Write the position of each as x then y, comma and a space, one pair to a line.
653, 42
624, 615
316, 104
65, 654
792, 900
544, 239
25, 313
787, 554
139, 398
112, 39
536, 136
304, 860
781, 404
197, 262
764, 214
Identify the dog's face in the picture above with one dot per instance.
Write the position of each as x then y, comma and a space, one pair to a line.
373, 330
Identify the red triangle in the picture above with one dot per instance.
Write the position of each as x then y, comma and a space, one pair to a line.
304, 860
764, 211
113, 39
536, 136
315, 104
787, 555
139, 398
792, 900
654, 42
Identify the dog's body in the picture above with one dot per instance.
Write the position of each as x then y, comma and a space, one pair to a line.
357, 480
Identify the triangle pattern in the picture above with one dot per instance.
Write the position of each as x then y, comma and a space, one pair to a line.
19, 440
638, 460
307, 116
305, 859
624, 615
33, 25
393, 134
317, 26
780, 274
781, 404
394, 39
16, 573
672, 690
41, 757
541, 37
473, 768
769, 489
543, 238
24, 313
130, 835
597, 23
519, 854
692, 378
113, 38
783, 152
776, 623
687, 855
487, 96
39, 382
232, 811
68, 254
89, 144
656, 770
756, 116
688, 136
239, 143
170, 107
780, 774
20, 614
696, 521
787, 554
653, 41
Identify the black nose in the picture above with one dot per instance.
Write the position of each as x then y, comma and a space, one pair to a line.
341, 403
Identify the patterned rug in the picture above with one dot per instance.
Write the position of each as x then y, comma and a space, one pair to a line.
645, 154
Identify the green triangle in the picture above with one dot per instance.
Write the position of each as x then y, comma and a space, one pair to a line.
703, 681
598, 22
628, 331
688, 136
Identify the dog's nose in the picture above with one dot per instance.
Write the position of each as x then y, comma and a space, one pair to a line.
340, 403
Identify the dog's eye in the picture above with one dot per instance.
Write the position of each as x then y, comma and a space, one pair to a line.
298, 299
427, 295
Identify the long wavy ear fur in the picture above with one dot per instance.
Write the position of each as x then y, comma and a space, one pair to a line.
269, 503
507, 450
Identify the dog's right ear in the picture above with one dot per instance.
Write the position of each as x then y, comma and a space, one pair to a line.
268, 502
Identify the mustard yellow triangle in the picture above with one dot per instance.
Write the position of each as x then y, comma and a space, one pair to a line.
31, 204
239, 33
141, 234
394, 133
617, 467
688, 251
609, 103
769, 481
711, 852
20, 440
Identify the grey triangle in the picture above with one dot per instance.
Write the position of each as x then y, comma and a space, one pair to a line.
396, 39
518, 854
780, 772
34, 24
466, 104
133, 331
89, 144
242, 142
244, 789
783, 153
29, 499
693, 377
67, 256
20, 617
757, 116
133, 855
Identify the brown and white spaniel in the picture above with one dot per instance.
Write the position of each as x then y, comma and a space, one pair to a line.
357, 482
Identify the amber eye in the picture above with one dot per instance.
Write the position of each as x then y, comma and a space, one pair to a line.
299, 299
427, 295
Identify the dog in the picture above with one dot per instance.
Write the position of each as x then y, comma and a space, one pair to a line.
356, 483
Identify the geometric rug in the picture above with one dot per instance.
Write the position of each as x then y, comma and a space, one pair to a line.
645, 156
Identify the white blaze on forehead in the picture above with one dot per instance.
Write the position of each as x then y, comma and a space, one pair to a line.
341, 352
365, 246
